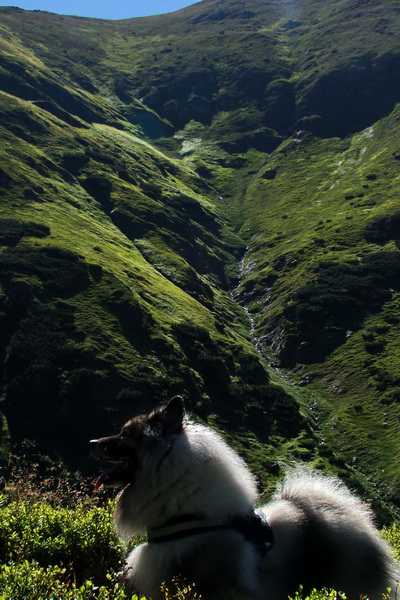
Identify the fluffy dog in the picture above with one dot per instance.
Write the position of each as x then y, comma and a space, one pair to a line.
194, 498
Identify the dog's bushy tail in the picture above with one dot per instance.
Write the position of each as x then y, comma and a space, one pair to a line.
314, 491
336, 523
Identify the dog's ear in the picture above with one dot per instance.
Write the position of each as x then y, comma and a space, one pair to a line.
173, 415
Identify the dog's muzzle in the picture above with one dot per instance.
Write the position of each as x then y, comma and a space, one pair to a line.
110, 449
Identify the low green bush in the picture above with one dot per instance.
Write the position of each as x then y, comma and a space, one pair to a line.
27, 580
392, 535
81, 539
53, 528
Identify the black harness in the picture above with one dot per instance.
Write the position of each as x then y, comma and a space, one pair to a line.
253, 527
256, 529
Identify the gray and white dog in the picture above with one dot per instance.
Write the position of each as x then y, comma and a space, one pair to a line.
195, 498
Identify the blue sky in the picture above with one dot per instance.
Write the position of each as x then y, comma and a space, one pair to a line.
113, 9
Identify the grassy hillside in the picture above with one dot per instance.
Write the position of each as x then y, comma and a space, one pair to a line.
322, 277
116, 272
115, 281
205, 203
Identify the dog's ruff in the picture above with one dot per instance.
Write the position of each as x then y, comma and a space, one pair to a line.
324, 536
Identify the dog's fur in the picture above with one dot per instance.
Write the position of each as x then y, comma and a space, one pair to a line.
172, 469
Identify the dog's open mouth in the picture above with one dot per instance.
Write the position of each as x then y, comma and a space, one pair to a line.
123, 462
121, 473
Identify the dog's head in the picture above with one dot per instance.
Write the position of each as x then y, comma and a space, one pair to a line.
150, 432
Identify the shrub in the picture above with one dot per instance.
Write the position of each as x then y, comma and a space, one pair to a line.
12, 230
29, 581
60, 271
383, 229
392, 535
80, 540
324, 594
74, 160
48, 517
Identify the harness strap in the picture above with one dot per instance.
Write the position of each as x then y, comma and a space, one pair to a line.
176, 531
253, 527
256, 529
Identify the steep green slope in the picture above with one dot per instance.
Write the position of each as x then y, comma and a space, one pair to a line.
115, 273
322, 280
158, 173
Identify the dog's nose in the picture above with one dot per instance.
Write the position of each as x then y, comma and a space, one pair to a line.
94, 448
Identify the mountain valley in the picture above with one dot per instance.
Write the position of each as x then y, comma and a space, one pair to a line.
206, 203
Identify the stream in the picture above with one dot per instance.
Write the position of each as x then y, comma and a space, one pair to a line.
256, 341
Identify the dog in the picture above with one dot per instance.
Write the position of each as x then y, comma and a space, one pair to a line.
194, 498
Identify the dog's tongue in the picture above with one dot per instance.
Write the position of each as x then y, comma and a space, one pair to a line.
104, 477
110, 477
99, 482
